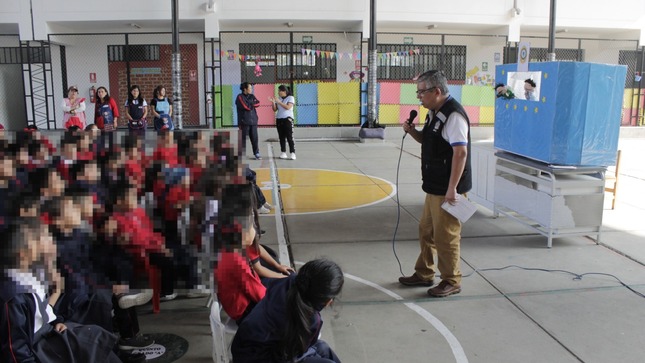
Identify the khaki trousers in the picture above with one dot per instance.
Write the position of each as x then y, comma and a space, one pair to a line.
440, 235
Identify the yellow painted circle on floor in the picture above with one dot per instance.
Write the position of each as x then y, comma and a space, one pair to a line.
318, 190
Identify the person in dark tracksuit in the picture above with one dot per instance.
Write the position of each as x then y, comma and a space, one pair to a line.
247, 117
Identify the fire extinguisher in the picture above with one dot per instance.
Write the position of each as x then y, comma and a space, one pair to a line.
92, 94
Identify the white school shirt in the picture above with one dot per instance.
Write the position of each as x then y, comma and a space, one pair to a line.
283, 112
38, 291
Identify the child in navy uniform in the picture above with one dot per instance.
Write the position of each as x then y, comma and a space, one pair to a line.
285, 325
29, 330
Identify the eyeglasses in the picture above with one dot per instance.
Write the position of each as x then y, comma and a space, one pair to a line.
422, 91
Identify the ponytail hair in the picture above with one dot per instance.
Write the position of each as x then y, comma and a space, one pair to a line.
286, 89
316, 284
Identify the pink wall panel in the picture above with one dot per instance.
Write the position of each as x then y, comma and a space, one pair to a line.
390, 93
405, 114
265, 116
473, 114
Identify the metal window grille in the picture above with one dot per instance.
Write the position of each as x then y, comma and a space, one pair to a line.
262, 54
282, 62
634, 61
134, 53
17, 55
450, 59
541, 55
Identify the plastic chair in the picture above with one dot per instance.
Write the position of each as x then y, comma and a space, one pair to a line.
219, 330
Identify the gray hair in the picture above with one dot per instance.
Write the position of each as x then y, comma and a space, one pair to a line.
434, 78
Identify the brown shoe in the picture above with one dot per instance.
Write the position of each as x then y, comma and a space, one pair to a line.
415, 280
444, 289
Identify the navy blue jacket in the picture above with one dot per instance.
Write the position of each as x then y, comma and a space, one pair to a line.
258, 338
17, 322
246, 109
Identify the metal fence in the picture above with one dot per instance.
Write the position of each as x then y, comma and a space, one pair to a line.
468, 61
326, 70
120, 61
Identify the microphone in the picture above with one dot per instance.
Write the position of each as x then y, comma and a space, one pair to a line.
413, 115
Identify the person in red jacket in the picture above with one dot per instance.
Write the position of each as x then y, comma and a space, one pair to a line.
166, 150
136, 161
106, 111
133, 231
239, 288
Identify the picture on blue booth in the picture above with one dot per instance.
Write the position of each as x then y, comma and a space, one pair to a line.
525, 85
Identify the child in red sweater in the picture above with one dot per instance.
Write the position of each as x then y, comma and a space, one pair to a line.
166, 150
239, 288
133, 230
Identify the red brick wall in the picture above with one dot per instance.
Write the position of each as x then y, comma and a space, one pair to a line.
147, 82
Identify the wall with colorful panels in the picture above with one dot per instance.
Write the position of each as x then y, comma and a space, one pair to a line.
338, 103
630, 103
396, 100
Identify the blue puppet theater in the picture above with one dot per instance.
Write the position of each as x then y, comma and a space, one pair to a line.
574, 115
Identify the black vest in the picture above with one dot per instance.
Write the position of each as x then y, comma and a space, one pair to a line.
436, 153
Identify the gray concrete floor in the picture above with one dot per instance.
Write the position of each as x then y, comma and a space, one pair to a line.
509, 315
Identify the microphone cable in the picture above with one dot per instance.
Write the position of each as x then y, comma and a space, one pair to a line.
410, 120
398, 205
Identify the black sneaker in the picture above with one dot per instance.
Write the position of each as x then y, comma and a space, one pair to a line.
137, 342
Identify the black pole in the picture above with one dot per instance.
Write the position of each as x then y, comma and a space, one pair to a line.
175, 26
551, 49
176, 68
127, 61
371, 64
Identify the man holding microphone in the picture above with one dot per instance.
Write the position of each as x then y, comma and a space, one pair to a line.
446, 172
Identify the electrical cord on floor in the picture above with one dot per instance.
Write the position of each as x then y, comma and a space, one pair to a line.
398, 207
575, 275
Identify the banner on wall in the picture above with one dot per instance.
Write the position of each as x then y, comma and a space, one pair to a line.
231, 55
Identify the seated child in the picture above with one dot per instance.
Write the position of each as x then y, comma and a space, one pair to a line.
239, 288
29, 329
90, 297
285, 326
133, 231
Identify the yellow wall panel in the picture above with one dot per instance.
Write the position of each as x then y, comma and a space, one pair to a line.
389, 114
349, 114
627, 99
327, 114
487, 115
348, 92
327, 93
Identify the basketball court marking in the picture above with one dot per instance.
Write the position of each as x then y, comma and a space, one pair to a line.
455, 346
310, 191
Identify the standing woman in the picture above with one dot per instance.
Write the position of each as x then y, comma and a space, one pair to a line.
284, 120
161, 108
285, 325
106, 112
247, 117
73, 109
136, 110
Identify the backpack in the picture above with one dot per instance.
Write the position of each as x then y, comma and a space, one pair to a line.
164, 122
136, 112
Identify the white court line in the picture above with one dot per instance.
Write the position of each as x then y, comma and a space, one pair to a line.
283, 251
457, 349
